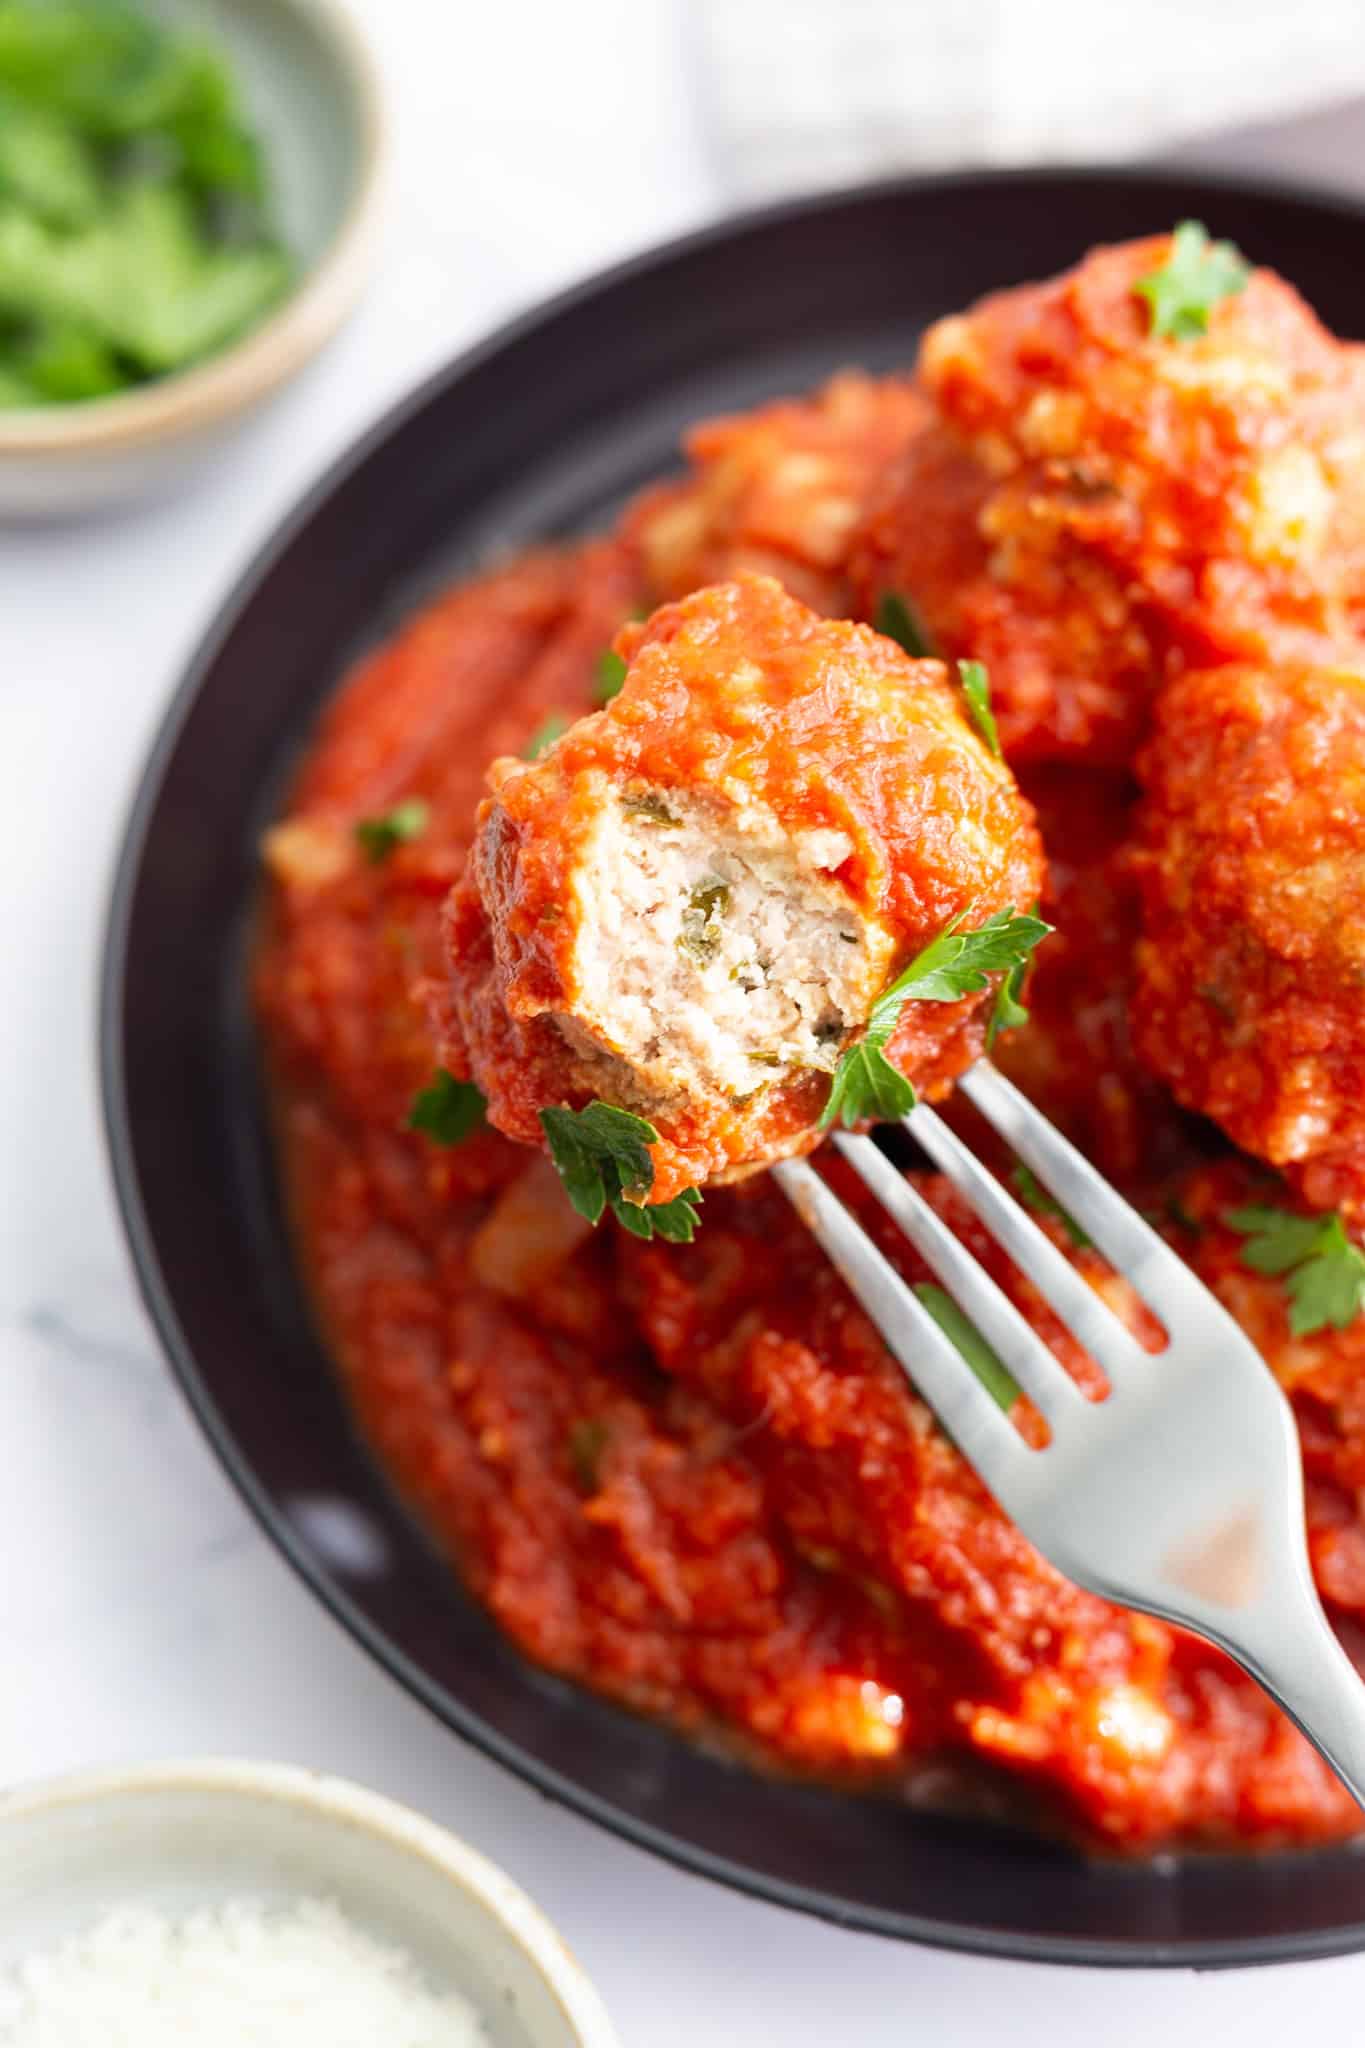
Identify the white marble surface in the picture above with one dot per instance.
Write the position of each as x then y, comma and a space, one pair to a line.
140, 1611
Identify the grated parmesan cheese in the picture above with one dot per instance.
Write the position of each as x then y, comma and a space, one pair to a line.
242, 1975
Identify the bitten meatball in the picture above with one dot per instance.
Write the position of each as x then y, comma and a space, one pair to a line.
1098, 505
778, 491
687, 907
1250, 859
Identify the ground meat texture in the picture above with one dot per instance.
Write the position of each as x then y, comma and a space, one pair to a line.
1093, 509
1250, 860
687, 907
779, 491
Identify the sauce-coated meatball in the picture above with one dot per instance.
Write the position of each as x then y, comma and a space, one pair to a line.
1097, 506
687, 907
1250, 859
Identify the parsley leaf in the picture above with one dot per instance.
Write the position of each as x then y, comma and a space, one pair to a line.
602, 1158
1324, 1273
447, 1110
1007, 1011
611, 673
953, 965
897, 619
998, 1382
544, 736
976, 688
1035, 1196
1197, 276
377, 837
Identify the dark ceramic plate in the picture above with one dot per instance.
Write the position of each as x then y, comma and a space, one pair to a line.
540, 432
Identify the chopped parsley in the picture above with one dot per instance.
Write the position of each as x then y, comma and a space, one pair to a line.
706, 906
976, 688
1008, 1012
1035, 1196
955, 964
377, 837
1323, 1272
602, 1158
544, 736
446, 1109
648, 804
611, 673
994, 1377
1197, 276
898, 620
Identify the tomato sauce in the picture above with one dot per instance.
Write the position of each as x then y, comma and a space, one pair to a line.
690, 1477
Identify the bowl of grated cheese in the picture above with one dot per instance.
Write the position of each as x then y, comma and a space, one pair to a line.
227, 1902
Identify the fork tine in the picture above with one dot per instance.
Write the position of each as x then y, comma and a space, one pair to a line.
933, 1365
1127, 1240
1061, 1286
1016, 1343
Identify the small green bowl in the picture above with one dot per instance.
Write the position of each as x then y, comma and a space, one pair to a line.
314, 95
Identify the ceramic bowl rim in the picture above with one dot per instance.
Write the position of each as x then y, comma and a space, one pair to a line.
341, 1802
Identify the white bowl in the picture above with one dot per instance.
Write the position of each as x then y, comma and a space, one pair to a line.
313, 92
177, 1836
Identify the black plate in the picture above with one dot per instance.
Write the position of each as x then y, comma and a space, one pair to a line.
539, 432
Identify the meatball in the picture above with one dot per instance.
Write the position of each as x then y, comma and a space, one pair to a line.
1250, 860
1096, 506
779, 491
688, 906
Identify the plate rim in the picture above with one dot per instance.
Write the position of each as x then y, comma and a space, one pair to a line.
952, 1935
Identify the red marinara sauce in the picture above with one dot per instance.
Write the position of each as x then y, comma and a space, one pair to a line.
690, 1476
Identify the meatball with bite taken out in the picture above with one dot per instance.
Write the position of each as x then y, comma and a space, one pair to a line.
675, 926
1153, 462
1250, 860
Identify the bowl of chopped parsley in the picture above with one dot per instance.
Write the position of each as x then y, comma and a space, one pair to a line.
187, 203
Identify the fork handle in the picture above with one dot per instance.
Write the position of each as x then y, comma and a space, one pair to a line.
1305, 1670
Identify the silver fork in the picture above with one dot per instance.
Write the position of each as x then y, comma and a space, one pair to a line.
1180, 1493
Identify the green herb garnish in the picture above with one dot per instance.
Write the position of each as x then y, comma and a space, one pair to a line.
707, 904
377, 837
447, 1110
1324, 1273
601, 1155
953, 965
1035, 1196
544, 736
611, 673
1008, 1012
976, 688
994, 1377
897, 619
136, 231
1197, 276
647, 804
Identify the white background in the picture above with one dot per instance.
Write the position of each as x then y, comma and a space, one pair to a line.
141, 1614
